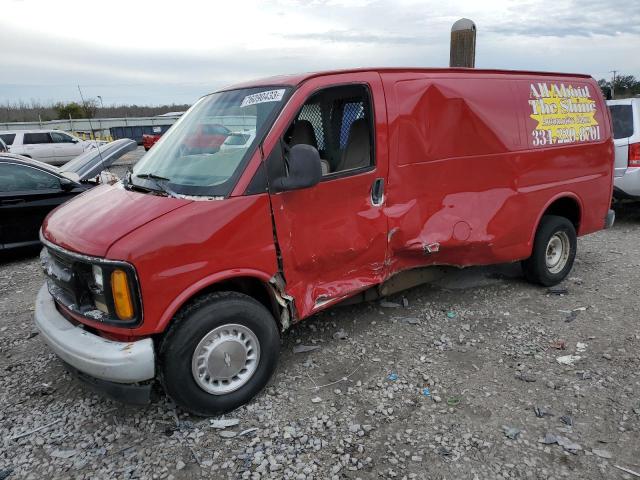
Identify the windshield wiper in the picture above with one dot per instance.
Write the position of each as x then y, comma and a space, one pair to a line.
153, 176
158, 181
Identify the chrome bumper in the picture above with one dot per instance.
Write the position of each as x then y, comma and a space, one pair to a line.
119, 362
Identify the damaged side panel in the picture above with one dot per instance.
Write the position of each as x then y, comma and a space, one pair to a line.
465, 185
327, 256
451, 189
332, 238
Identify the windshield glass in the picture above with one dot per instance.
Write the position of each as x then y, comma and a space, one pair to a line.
189, 160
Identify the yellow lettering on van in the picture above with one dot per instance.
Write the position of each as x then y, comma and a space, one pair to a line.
567, 108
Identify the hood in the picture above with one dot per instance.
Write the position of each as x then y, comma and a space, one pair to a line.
92, 222
90, 163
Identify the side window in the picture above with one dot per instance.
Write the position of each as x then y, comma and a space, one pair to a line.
17, 178
312, 113
59, 137
8, 138
36, 138
622, 120
352, 112
339, 123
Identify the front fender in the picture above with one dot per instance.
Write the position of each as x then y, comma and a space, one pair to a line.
204, 283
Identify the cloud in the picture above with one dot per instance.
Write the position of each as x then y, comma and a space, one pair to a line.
581, 18
346, 36
179, 54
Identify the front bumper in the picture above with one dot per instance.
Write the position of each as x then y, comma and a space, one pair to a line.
90, 354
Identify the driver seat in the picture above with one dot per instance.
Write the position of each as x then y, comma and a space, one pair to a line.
304, 134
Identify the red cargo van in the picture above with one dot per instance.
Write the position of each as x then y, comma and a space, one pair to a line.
356, 183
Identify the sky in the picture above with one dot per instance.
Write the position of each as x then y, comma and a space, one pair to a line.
151, 53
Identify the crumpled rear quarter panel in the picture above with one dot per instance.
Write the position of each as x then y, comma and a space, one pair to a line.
465, 177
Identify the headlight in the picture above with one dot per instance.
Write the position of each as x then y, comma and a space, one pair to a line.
97, 289
98, 280
101, 290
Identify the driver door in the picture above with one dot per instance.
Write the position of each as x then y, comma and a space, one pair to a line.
27, 195
333, 236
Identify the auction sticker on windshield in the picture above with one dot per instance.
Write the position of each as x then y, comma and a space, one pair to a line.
565, 114
262, 97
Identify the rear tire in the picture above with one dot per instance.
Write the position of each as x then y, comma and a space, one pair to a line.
219, 353
554, 251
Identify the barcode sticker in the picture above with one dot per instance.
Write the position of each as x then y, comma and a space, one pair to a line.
262, 97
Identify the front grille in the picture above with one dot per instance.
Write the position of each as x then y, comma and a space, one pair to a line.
71, 282
67, 280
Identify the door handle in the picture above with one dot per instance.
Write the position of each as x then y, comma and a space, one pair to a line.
377, 192
13, 201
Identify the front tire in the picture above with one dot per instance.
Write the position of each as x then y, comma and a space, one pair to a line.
219, 353
554, 251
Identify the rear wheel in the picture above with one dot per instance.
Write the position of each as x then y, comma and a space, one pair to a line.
219, 353
554, 251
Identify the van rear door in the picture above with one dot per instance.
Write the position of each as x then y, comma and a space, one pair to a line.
333, 236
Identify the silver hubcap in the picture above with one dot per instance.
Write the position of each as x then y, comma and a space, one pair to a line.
557, 252
225, 359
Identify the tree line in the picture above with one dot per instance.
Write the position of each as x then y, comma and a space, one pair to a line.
624, 86
33, 111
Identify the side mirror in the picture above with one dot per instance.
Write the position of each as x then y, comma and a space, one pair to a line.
305, 169
67, 185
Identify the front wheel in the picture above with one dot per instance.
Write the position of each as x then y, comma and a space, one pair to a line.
219, 353
554, 251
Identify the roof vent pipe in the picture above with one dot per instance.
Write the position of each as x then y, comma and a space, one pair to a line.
463, 44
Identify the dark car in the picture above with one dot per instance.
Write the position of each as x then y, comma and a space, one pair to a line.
29, 189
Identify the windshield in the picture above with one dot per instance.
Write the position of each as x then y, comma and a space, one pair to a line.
189, 160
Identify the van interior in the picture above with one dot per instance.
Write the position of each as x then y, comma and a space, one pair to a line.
337, 121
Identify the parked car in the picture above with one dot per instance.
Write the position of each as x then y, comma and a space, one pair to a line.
7, 138
49, 146
30, 189
149, 140
206, 138
625, 117
228, 248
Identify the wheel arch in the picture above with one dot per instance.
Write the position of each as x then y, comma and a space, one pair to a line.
253, 283
566, 204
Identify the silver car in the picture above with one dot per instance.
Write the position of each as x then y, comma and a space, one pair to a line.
625, 116
49, 146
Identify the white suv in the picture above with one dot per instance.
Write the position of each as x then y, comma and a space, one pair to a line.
625, 116
50, 146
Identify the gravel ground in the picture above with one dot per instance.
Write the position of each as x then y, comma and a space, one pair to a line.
458, 379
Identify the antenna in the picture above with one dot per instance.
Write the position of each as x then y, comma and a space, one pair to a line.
91, 127
613, 84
